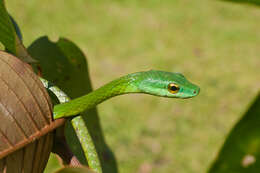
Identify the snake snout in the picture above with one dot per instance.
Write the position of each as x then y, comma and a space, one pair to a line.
196, 91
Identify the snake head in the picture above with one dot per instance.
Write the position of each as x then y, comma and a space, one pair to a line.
165, 84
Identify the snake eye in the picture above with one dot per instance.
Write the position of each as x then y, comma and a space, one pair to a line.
173, 88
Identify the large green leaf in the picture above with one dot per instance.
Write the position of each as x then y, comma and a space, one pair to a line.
241, 150
9, 38
65, 65
253, 2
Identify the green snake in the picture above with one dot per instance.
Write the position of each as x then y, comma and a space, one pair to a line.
158, 83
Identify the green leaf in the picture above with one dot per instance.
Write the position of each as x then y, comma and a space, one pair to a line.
74, 170
7, 32
241, 150
64, 64
53, 164
253, 2
9, 38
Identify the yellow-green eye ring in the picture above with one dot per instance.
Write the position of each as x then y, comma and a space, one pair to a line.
173, 88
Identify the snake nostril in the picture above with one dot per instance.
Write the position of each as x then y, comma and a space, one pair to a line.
196, 91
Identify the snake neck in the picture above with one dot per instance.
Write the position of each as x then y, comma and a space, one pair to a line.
123, 85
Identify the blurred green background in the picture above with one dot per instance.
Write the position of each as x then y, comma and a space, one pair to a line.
214, 43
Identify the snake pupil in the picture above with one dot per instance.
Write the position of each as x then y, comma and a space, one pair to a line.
174, 88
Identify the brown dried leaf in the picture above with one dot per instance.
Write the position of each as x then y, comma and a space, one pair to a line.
25, 107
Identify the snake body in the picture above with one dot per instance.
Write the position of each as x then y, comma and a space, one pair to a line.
158, 83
